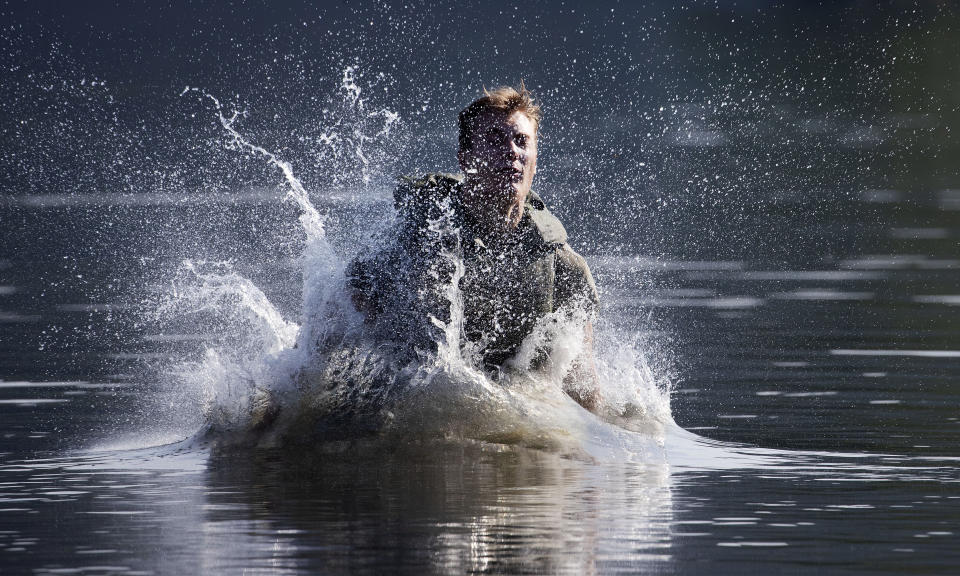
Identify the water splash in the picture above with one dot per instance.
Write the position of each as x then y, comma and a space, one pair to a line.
240, 358
326, 374
352, 141
324, 291
447, 235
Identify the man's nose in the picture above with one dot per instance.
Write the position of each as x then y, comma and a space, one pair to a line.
515, 150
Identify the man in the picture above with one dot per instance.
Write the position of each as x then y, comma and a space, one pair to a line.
489, 236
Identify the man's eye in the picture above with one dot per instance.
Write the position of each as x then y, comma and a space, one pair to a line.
521, 141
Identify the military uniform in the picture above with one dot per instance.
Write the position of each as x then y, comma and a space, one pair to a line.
506, 286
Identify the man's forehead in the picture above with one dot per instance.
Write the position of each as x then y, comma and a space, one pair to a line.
514, 120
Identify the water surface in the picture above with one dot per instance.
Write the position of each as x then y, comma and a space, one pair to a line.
766, 197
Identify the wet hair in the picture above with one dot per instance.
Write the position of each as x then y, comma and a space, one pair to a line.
505, 99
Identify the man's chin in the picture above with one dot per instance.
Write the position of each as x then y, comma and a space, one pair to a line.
503, 191
519, 192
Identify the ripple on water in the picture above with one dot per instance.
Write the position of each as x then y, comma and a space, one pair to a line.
919, 233
55, 384
947, 299
812, 275
29, 402
752, 544
90, 307
900, 262
13, 317
906, 353
822, 295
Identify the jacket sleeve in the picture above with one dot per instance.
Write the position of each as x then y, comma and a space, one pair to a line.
574, 283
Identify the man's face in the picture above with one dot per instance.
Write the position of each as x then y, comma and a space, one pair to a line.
503, 157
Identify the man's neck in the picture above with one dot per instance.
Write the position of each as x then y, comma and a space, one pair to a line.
491, 218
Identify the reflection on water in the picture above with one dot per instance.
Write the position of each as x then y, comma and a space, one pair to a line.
437, 508
448, 507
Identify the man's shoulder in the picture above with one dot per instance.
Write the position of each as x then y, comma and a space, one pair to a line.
549, 227
573, 275
428, 188
432, 179
573, 272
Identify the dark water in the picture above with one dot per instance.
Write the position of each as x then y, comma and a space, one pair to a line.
790, 265
849, 367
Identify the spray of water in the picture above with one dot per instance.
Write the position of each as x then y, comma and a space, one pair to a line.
326, 375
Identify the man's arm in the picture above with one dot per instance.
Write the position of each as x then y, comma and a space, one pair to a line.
577, 292
362, 282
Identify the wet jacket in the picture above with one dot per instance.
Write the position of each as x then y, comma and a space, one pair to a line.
405, 287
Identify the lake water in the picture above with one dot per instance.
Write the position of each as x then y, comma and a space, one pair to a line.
844, 371
788, 274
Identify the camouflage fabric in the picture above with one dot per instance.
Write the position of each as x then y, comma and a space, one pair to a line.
505, 290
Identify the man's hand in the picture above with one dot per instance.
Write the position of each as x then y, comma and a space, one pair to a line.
581, 383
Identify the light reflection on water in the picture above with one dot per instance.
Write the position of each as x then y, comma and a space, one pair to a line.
451, 507
447, 508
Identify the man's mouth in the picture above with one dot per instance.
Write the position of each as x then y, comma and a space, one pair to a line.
511, 174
